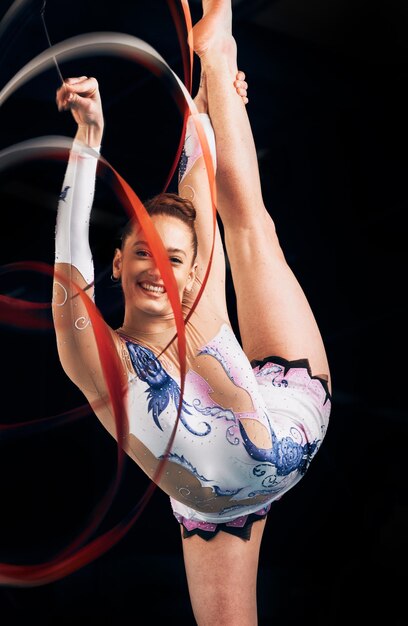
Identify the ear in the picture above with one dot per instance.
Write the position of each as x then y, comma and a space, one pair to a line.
191, 278
117, 264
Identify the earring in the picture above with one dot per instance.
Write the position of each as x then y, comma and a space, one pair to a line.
114, 279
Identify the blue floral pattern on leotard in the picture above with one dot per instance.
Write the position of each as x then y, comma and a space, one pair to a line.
286, 454
275, 468
162, 388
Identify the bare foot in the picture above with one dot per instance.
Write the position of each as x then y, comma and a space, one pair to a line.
214, 30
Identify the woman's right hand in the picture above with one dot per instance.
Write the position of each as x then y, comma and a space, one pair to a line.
81, 96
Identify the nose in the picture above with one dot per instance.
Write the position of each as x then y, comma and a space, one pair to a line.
154, 273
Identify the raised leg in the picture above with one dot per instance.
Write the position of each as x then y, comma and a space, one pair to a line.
275, 318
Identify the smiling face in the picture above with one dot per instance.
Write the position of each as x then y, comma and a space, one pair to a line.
143, 287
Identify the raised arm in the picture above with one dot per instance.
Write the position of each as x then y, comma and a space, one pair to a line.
76, 343
194, 184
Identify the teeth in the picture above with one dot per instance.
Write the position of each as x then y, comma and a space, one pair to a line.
156, 288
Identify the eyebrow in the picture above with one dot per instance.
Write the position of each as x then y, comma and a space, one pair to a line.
171, 250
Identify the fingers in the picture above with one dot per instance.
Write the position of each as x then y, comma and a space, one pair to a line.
73, 81
83, 86
241, 86
75, 89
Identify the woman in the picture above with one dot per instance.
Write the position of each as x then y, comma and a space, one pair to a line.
252, 418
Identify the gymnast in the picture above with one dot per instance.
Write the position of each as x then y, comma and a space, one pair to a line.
255, 411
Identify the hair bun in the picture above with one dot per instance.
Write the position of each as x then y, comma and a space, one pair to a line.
168, 203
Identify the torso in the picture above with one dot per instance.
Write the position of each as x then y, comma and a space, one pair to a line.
208, 467
221, 452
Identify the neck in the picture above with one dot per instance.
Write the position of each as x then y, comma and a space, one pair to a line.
135, 325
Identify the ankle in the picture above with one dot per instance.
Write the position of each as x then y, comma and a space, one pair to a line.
217, 51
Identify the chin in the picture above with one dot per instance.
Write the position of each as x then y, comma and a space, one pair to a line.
154, 309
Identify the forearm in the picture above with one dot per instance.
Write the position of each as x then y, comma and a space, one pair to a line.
81, 96
74, 209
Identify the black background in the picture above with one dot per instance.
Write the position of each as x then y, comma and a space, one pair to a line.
328, 110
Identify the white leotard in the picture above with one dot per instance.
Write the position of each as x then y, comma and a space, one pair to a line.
246, 432
244, 436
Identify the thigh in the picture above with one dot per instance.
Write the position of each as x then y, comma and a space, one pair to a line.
222, 576
274, 315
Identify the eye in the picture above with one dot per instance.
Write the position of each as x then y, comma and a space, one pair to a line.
175, 259
142, 253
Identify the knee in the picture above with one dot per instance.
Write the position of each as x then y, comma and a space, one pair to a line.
256, 239
248, 217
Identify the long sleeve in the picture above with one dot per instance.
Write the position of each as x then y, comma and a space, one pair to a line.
74, 209
192, 149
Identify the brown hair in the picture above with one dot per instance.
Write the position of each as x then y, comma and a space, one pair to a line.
172, 205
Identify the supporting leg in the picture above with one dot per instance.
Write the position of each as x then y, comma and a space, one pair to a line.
222, 577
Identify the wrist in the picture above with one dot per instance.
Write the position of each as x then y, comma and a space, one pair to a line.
90, 134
